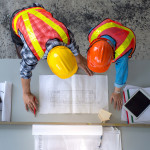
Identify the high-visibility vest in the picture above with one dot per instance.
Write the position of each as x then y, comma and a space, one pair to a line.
124, 37
38, 26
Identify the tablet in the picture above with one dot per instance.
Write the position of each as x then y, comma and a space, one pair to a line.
138, 103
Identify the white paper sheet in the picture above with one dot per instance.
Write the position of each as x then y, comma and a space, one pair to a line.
78, 94
6, 112
67, 130
66, 142
144, 117
6, 89
111, 139
61, 137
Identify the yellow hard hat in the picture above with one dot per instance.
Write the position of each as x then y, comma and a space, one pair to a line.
62, 62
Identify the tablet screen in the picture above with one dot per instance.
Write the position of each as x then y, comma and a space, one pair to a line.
138, 103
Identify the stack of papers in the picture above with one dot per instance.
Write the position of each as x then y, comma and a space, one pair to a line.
54, 137
61, 137
5, 105
144, 118
78, 94
111, 139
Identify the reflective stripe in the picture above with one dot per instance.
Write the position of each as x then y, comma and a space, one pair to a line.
32, 36
20, 14
126, 42
123, 46
107, 26
56, 27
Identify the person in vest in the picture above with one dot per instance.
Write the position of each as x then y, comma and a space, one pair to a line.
110, 41
37, 35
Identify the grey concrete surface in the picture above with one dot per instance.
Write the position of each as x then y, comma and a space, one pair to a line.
80, 16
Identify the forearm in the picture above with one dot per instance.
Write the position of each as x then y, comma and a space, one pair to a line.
26, 85
78, 57
121, 71
82, 63
30, 100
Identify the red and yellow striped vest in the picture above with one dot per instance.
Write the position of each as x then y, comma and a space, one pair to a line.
124, 37
38, 26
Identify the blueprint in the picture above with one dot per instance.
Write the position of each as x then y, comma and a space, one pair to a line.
78, 94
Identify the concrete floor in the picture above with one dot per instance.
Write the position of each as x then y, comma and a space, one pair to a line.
80, 16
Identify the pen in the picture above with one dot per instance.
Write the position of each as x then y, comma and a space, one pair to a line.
100, 141
34, 108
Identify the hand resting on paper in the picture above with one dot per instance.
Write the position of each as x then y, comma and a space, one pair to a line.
117, 98
30, 102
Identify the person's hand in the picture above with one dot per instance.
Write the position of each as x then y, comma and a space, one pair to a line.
30, 102
82, 63
117, 98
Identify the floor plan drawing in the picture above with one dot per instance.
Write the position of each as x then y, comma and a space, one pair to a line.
78, 94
